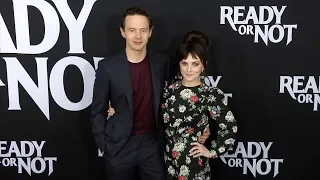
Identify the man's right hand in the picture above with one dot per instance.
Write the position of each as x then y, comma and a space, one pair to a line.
111, 111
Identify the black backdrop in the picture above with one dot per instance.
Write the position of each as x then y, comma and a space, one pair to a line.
46, 87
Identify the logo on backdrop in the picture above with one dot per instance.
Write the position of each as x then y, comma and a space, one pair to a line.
304, 89
49, 82
26, 156
264, 22
253, 157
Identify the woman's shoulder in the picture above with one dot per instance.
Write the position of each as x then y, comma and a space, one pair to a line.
211, 90
172, 84
170, 88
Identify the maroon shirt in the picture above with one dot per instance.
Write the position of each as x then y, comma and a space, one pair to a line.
141, 79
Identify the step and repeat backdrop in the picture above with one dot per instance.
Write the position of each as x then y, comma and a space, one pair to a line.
264, 55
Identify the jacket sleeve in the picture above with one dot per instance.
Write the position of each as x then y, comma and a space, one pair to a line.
100, 103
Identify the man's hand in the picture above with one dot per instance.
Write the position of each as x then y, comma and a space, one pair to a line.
111, 111
202, 139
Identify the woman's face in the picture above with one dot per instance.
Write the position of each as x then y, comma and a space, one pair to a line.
191, 68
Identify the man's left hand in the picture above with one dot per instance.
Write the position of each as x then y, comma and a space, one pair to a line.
202, 139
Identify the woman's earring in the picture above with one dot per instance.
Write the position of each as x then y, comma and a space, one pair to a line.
202, 74
179, 76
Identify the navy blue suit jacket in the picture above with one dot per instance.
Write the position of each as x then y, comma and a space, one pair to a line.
113, 83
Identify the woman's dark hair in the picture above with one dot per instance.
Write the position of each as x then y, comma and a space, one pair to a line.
203, 39
196, 44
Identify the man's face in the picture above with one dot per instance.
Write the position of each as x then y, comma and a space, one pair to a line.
136, 32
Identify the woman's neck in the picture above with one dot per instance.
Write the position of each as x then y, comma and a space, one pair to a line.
191, 83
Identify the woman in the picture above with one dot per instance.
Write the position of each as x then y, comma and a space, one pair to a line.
188, 107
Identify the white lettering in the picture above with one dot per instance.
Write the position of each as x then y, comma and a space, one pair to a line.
286, 82
263, 16
51, 26
30, 165
316, 102
56, 80
75, 26
17, 74
6, 43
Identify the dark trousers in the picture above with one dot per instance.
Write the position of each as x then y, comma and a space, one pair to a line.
140, 157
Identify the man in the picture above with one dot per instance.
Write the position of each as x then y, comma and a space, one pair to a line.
132, 140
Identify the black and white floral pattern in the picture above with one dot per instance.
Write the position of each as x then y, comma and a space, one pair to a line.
186, 113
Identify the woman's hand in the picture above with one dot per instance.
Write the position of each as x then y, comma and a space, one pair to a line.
199, 150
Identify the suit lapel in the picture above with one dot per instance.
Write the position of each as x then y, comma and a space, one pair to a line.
155, 83
127, 78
